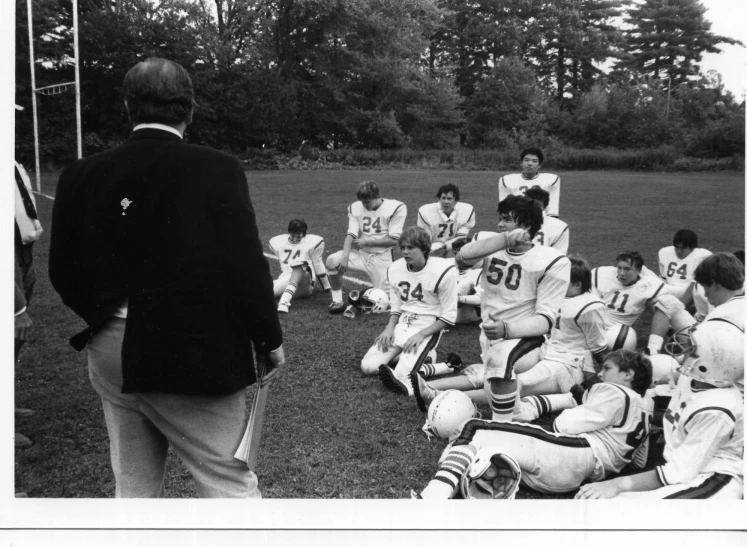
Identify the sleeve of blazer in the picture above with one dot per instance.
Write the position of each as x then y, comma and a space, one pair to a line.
241, 249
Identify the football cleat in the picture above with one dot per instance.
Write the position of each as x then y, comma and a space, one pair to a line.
424, 393
283, 307
336, 308
391, 382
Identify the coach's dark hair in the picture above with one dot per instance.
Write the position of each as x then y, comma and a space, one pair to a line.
368, 189
581, 272
158, 91
686, 238
526, 212
297, 225
725, 269
533, 151
538, 194
446, 188
417, 237
637, 362
634, 257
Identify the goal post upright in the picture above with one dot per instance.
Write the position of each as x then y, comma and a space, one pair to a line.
78, 124
33, 96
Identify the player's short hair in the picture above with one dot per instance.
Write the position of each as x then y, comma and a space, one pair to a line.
533, 151
634, 257
526, 212
417, 237
297, 225
686, 238
158, 91
446, 188
367, 189
637, 362
740, 255
580, 272
538, 194
724, 269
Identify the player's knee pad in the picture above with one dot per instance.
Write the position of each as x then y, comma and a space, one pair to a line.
621, 337
370, 364
669, 305
333, 263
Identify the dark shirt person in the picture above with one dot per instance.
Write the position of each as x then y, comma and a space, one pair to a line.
155, 245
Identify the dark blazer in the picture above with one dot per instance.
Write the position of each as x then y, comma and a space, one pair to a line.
170, 227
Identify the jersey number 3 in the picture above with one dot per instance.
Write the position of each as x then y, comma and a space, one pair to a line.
496, 273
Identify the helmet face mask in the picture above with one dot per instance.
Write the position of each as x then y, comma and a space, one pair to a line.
370, 301
491, 475
711, 352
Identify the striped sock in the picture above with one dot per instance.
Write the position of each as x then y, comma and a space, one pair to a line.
503, 394
290, 290
446, 482
429, 370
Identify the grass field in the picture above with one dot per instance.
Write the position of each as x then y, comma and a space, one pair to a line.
330, 432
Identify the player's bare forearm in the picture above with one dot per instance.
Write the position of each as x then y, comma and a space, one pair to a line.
475, 251
382, 242
641, 482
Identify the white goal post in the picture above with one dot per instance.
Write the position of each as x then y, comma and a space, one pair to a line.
53, 89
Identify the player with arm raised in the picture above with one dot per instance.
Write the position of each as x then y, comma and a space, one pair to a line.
554, 232
522, 287
301, 263
447, 220
590, 441
423, 302
374, 227
703, 425
517, 183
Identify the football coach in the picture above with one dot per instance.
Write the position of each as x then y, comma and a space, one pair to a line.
155, 245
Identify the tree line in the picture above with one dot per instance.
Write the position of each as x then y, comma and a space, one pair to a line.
390, 74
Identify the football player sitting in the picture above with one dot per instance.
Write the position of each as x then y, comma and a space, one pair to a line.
677, 262
590, 440
423, 300
703, 425
300, 256
554, 232
447, 220
517, 183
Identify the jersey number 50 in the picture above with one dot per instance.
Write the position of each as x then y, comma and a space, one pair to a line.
496, 273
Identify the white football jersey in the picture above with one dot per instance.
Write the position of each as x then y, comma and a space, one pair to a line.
554, 233
430, 291
445, 228
516, 184
519, 285
307, 251
731, 311
625, 303
614, 419
703, 432
385, 222
579, 329
679, 272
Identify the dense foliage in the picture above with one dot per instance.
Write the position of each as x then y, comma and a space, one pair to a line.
389, 74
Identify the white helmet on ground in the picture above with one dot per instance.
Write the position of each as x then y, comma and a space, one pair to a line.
372, 300
712, 352
448, 413
492, 475
621, 337
663, 367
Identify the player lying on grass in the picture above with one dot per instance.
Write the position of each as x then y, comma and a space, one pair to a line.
517, 183
553, 367
554, 232
423, 302
374, 227
703, 425
590, 441
522, 287
301, 264
447, 220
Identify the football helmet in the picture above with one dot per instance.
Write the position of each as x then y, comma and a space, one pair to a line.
448, 412
370, 301
712, 352
663, 367
621, 337
492, 475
